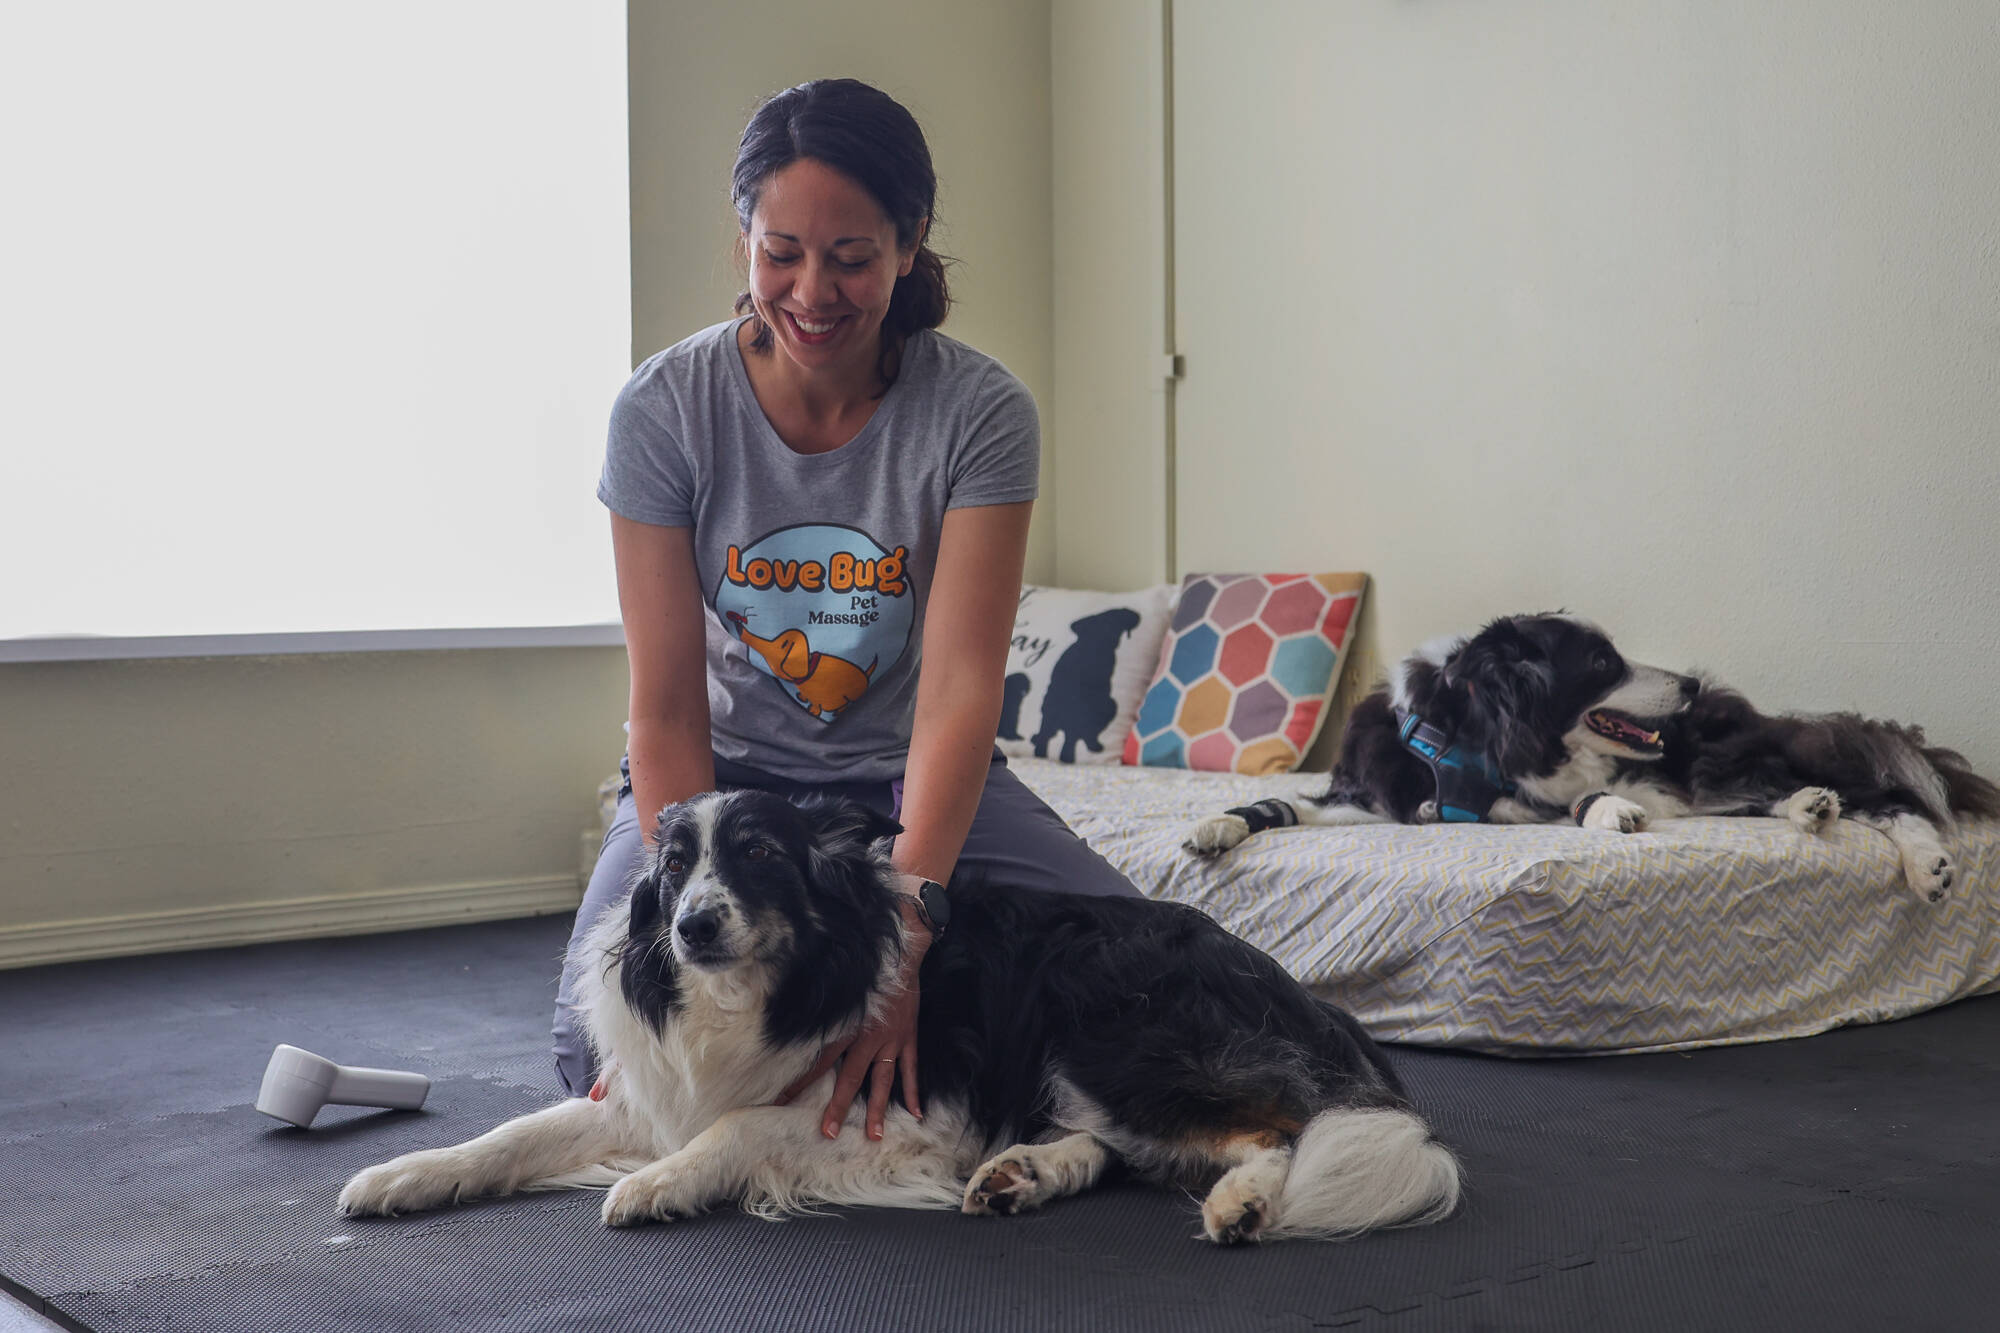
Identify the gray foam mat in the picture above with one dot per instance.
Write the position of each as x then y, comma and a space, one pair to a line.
1845, 1181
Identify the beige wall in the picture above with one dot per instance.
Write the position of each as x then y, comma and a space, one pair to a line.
155, 804
1680, 316
975, 75
1112, 399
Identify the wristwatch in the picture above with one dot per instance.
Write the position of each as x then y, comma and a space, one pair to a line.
933, 903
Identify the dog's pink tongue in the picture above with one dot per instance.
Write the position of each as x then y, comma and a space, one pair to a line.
1635, 731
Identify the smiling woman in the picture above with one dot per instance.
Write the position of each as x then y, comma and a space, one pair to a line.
820, 513
310, 316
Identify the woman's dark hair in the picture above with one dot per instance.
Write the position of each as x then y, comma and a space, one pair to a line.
867, 136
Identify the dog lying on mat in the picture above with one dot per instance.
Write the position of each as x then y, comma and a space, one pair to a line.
1056, 1034
1538, 719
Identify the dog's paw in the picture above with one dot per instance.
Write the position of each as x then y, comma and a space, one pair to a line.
1004, 1186
1813, 809
1214, 836
1233, 1217
408, 1184
656, 1193
1930, 873
1427, 813
1615, 814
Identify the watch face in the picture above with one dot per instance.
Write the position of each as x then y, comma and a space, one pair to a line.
936, 904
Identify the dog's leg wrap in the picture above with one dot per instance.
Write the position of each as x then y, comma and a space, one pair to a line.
1266, 814
1581, 808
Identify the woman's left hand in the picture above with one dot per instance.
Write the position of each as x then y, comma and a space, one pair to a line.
875, 1053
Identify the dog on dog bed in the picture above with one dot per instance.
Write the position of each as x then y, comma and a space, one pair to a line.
1538, 719
1057, 1033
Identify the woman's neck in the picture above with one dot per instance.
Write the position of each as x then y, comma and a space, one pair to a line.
813, 411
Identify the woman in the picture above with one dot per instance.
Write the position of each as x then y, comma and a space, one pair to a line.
809, 504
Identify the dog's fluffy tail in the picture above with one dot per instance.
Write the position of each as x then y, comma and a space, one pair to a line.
1969, 793
1356, 1170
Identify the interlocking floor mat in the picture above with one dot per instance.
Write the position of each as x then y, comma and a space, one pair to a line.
1844, 1181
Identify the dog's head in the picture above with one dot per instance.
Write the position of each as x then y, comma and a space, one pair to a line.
747, 889
1529, 690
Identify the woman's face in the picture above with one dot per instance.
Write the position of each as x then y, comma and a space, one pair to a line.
823, 262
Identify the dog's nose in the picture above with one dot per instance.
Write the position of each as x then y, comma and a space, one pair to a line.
1690, 687
699, 928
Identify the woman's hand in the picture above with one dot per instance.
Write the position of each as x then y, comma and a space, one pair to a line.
878, 1050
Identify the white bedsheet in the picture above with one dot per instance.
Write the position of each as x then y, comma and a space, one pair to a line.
1558, 939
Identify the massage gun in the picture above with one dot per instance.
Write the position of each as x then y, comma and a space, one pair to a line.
297, 1083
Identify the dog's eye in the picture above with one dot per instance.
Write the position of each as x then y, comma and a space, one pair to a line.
675, 865
756, 853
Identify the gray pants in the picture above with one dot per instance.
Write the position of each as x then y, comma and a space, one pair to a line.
1016, 841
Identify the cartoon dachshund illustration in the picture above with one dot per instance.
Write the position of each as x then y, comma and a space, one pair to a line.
825, 683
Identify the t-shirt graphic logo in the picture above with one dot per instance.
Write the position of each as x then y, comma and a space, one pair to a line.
823, 609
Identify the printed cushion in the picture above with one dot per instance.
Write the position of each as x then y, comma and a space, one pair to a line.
1246, 671
1078, 664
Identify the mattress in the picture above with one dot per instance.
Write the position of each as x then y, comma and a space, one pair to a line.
1554, 939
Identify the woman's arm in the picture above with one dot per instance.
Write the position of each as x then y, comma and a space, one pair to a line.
659, 598
968, 622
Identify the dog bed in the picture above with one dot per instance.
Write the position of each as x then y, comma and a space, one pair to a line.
1554, 939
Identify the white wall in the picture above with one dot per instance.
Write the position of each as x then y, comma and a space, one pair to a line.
1685, 317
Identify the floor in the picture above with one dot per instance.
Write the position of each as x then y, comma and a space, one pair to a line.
1845, 1181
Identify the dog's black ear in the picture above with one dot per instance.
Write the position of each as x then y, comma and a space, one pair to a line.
844, 825
1489, 656
648, 903
1508, 685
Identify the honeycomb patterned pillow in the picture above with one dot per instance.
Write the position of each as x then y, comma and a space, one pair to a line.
1246, 672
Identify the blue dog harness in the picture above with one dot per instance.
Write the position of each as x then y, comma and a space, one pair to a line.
1467, 785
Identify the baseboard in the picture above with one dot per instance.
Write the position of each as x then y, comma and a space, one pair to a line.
364, 913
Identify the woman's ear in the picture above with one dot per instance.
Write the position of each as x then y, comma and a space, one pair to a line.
906, 259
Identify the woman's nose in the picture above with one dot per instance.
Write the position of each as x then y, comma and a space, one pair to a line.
816, 286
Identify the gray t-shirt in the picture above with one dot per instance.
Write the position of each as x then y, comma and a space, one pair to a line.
816, 567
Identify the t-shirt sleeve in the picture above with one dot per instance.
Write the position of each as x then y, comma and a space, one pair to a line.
999, 461
647, 475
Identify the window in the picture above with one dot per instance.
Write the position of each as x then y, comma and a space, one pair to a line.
312, 315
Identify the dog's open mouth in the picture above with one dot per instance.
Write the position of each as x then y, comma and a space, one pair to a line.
1623, 730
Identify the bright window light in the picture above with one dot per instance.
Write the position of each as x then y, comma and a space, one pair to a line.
311, 316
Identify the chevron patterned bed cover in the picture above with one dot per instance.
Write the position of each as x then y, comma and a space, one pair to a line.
1555, 939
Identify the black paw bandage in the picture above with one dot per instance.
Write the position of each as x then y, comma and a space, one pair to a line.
1583, 804
1265, 814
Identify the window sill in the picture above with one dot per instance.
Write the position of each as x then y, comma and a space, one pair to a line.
115, 648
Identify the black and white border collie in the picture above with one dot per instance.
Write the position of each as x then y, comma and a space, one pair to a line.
1538, 719
1057, 1033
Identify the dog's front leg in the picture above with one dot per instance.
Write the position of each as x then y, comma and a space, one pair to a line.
716, 1164
777, 1156
572, 1134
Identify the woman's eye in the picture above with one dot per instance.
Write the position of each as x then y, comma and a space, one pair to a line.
780, 259
757, 853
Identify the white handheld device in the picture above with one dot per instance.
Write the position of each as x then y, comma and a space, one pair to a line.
298, 1083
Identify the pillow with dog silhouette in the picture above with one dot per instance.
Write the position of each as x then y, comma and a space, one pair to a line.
1247, 670
1077, 666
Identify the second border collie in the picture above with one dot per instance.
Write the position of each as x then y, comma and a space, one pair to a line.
1058, 1033
1538, 719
